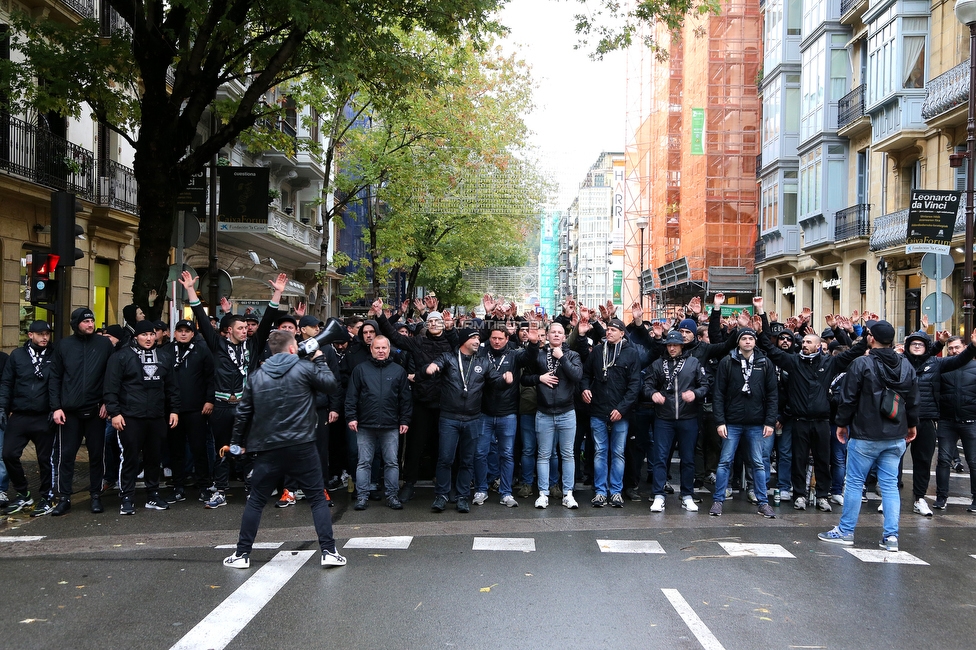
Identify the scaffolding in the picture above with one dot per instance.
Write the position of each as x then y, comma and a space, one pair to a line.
691, 160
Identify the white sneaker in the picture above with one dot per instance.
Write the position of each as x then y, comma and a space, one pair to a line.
922, 507
238, 561
800, 503
751, 496
542, 502
480, 498
569, 501
688, 503
881, 508
658, 505
823, 505
837, 498
728, 494
509, 501
332, 559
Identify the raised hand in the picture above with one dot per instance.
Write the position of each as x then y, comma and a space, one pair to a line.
152, 296
943, 337
225, 305
658, 329
637, 311
603, 312
510, 328
855, 316
718, 300
300, 309
773, 317
757, 304
488, 302
805, 314
377, 307
583, 327
743, 319
418, 305
695, 304
925, 322
757, 323
280, 282
448, 319
611, 309
831, 320
430, 302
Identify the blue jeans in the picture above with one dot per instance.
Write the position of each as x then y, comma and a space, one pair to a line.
838, 462
767, 452
753, 435
456, 436
861, 456
388, 440
502, 429
784, 458
665, 432
556, 431
613, 439
530, 450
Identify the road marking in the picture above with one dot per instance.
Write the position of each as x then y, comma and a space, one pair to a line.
23, 538
231, 616
755, 550
401, 543
629, 546
886, 557
692, 620
524, 544
270, 546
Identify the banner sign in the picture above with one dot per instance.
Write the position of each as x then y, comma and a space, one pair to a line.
618, 281
931, 220
243, 199
193, 198
698, 132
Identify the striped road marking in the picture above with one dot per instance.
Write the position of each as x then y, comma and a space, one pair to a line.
399, 543
755, 550
886, 557
23, 538
692, 620
629, 546
524, 544
227, 620
268, 546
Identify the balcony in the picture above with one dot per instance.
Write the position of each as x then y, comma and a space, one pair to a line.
117, 188
65, 11
852, 223
851, 117
759, 166
897, 122
851, 11
891, 230
35, 154
947, 91
284, 238
760, 251
110, 23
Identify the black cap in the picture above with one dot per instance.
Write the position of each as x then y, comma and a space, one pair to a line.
253, 316
466, 333
883, 332
144, 327
310, 321
39, 326
160, 325
187, 324
286, 318
827, 333
115, 331
617, 323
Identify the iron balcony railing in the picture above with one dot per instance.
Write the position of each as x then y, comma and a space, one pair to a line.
947, 91
852, 222
37, 155
847, 5
760, 251
850, 107
110, 22
84, 8
117, 187
758, 165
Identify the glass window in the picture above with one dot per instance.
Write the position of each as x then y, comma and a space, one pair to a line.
913, 72
814, 14
811, 182
839, 67
789, 202
881, 57
813, 83
773, 34
101, 281
771, 113
794, 17
770, 204
791, 113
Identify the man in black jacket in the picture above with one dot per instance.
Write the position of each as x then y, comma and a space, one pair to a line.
957, 421
745, 406
611, 384
879, 425
378, 408
277, 428
235, 357
141, 398
194, 376
75, 389
24, 395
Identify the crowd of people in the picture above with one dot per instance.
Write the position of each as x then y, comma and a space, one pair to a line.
527, 406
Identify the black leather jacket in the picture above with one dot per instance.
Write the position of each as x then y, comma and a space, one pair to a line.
278, 406
21, 390
558, 399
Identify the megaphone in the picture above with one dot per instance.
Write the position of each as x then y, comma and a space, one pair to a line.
334, 332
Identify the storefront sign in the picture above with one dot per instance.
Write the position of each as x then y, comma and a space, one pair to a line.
931, 220
697, 131
243, 199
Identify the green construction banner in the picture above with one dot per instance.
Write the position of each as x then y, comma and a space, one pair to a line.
618, 281
698, 132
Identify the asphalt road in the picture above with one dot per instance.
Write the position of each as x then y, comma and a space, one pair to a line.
591, 578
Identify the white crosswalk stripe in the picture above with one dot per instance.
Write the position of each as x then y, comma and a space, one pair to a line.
22, 538
736, 549
524, 544
399, 543
267, 546
629, 546
886, 557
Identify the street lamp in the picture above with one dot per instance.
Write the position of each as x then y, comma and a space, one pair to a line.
642, 225
965, 11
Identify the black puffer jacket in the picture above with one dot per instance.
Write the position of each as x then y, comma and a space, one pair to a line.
759, 406
278, 406
501, 399
21, 390
930, 370
619, 389
194, 373
379, 395
859, 399
957, 399
425, 349
461, 396
691, 376
77, 372
138, 390
559, 398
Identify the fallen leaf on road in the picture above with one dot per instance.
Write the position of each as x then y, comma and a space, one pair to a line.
63, 582
418, 605
376, 555
486, 590
79, 586
528, 575
34, 620
215, 586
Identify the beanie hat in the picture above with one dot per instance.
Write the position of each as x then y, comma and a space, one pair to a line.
688, 324
745, 331
144, 327
80, 314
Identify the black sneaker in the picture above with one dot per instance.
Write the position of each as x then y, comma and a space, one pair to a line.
62, 508
361, 503
43, 507
972, 507
394, 503
96, 504
127, 507
616, 501
440, 502
156, 502
406, 492
334, 483
179, 494
463, 505
205, 495
940, 503
22, 501
633, 494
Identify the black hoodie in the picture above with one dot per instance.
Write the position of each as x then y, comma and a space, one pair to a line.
862, 389
77, 371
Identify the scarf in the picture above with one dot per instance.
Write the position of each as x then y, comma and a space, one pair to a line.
37, 357
671, 369
149, 362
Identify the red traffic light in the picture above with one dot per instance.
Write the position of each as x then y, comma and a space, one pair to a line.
48, 265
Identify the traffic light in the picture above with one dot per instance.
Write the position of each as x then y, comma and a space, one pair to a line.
64, 230
42, 288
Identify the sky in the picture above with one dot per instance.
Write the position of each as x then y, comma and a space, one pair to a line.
580, 109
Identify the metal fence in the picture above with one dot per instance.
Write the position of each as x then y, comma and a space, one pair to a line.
40, 156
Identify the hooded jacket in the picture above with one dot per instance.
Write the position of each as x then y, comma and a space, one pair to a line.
21, 390
140, 390
378, 395
425, 349
859, 398
617, 387
930, 369
278, 406
463, 380
78, 371
957, 391
358, 352
193, 366
691, 376
731, 405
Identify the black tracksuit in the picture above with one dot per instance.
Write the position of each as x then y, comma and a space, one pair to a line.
194, 375
25, 396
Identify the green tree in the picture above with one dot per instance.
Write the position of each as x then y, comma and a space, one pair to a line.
248, 46
613, 25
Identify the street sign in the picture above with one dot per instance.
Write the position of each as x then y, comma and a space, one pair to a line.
191, 231
945, 307
243, 199
937, 267
931, 220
